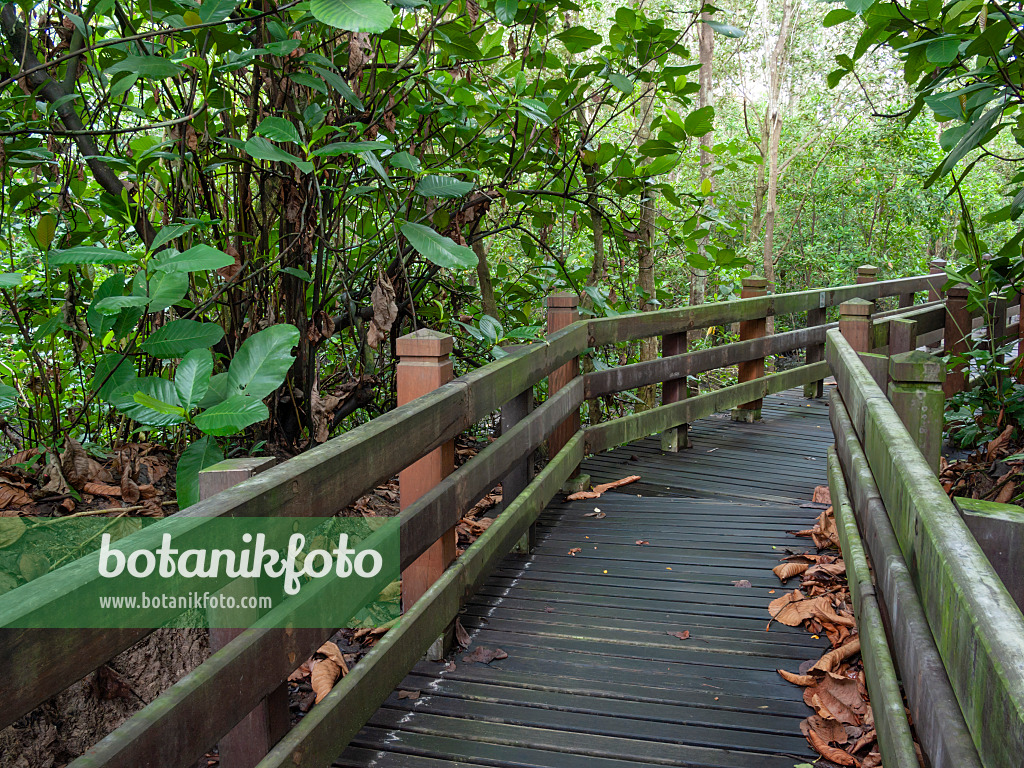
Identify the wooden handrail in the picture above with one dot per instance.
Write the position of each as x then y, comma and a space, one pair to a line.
328, 478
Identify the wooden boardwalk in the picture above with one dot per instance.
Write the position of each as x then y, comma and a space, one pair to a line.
593, 677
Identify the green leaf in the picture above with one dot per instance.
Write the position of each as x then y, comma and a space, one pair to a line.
443, 186
114, 304
11, 279
113, 371
201, 454
404, 160
8, 396
46, 227
196, 259
621, 82
506, 10
216, 10
835, 76
837, 16
279, 129
158, 405
263, 360
970, 140
437, 248
700, 122
261, 149
233, 415
168, 233
192, 379
89, 254
578, 39
166, 289
353, 15
181, 336
859, 6
99, 322
154, 67
942, 50
159, 389
302, 274
218, 392
725, 29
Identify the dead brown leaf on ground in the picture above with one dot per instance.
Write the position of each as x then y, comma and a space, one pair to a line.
822, 495
324, 675
483, 655
408, 694
602, 488
684, 635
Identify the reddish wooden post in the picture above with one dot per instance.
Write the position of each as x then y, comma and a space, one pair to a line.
956, 339
867, 273
936, 267
563, 310
1020, 339
753, 287
855, 323
815, 353
673, 391
252, 738
423, 367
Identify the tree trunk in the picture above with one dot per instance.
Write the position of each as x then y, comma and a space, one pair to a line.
483, 273
645, 249
706, 45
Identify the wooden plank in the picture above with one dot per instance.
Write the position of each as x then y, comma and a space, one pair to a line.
329, 726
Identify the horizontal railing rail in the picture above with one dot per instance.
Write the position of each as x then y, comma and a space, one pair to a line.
958, 634
193, 714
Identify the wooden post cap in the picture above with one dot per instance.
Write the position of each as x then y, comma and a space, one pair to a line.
916, 367
425, 343
958, 291
867, 270
937, 265
755, 281
563, 301
856, 308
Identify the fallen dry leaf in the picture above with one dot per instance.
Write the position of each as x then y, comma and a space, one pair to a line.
836, 755
684, 635
642, 543
786, 571
745, 583
597, 513
323, 677
995, 445
484, 655
822, 495
829, 731
795, 679
574, 551
302, 672
408, 694
461, 635
333, 652
836, 656
13, 497
602, 488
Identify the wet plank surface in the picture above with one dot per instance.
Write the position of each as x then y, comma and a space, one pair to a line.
593, 678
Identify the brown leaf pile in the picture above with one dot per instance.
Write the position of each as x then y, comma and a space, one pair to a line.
986, 474
841, 728
473, 523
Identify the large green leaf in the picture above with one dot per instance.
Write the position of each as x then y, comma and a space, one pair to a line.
443, 186
506, 10
201, 454
198, 258
166, 289
181, 336
578, 39
113, 371
219, 390
621, 82
11, 279
262, 149
279, 129
89, 254
943, 50
155, 67
437, 248
970, 140
157, 389
728, 30
114, 304
168, 233
262, 362
232, 416
700, 121
8, 396
353, 15
192, 379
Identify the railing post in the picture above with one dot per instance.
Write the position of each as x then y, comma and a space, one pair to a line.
902, 335
815, 353
956, 338
563, 310
915, 391
936, 267
252, 738
753, 287
424, 366
515, 482
673, 391
855, 323
1020, 339
867, 273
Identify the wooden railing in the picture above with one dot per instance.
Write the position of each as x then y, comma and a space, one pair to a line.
189, 718
957, 635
